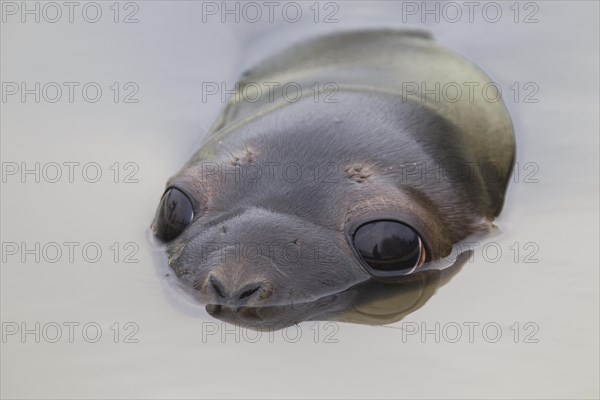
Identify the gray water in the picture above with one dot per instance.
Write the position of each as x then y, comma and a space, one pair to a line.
533, 308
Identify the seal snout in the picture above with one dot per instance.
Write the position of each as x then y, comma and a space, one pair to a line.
227, 291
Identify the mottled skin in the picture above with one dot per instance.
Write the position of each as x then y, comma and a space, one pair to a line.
383, 150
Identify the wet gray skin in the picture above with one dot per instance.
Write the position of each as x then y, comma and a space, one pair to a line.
282, 182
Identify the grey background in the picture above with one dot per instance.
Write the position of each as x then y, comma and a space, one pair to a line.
168, 53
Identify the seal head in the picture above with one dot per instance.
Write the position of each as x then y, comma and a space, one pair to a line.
290, 202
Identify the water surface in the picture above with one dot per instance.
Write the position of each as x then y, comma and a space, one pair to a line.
541, 291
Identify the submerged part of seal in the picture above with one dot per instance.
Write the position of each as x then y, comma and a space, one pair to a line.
350, 157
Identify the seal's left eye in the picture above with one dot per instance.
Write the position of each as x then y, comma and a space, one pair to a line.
174, 213
389, 247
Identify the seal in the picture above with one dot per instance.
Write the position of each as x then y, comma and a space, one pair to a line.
357, 156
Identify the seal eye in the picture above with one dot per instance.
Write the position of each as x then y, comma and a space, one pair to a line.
389, 247
174, 213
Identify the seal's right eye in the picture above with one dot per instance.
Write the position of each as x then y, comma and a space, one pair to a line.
174, 213
389, 247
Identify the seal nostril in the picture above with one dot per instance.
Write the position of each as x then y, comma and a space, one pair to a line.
249, 292
217, 287
222, 292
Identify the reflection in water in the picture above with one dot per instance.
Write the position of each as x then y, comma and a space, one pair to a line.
373, 302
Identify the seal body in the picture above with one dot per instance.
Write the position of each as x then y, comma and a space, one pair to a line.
324, 137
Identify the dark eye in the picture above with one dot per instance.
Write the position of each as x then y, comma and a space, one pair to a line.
389, 247
174, 213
